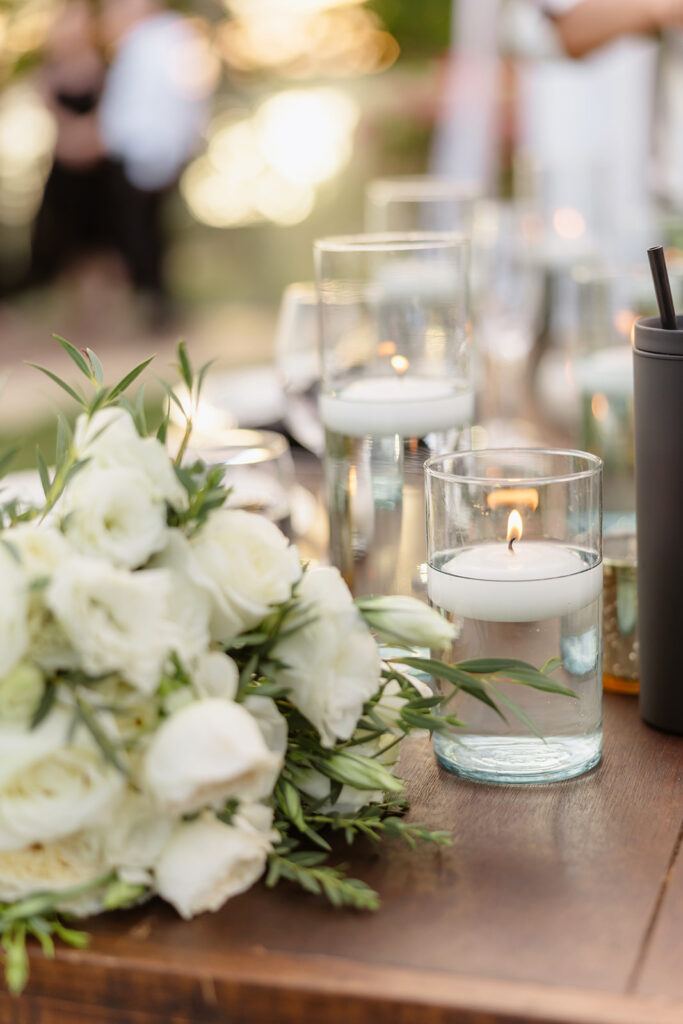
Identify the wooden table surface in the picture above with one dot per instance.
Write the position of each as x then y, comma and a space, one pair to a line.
559, 903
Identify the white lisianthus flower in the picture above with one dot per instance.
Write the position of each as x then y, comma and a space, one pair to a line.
109, 438
388, 707
52, 867
206, 862
41, 549
244, 563
110, 512
52, 784
216, 675
14, 596
408, 621
333, 666
189, 609
134, 838
206, 753
115, 620
20, 692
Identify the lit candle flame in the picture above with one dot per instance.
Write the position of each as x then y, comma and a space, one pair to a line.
400, 364
386, 348
514, 528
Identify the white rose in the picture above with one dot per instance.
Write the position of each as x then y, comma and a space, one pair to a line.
408, 621
52, 867
111, 513
13, 611
134, 838
116, 621
206, 753
207, 862
333, 666
109, 438
216, 675
246, 565
53, 781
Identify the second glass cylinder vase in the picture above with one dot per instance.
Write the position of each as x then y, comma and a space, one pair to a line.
515, 563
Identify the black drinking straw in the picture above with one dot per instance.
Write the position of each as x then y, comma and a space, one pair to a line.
660, 277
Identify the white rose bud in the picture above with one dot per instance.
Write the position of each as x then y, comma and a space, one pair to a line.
216, 675
408, 621
206, 862
111, 513
206, 753
246, 565
333, 666
20, 692
116, 621
13, 611
350, 800
388, 707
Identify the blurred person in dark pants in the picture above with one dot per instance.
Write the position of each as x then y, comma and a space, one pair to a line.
73, 215
151, 116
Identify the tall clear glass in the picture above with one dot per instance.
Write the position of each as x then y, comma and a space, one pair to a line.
421, 203
396, 388
515, 562
297, 359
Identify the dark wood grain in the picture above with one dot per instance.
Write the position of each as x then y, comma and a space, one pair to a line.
659, 969
539, 911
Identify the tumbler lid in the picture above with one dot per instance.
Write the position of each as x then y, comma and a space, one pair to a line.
650, 336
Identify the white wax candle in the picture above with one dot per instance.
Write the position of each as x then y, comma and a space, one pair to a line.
411, 406
608, 370
536, 580
408, 279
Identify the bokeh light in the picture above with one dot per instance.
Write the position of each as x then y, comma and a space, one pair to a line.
27, 135
305, 134
265, 166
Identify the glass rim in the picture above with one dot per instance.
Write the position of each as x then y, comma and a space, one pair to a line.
593, 466
392, 241
234, 440
425, 186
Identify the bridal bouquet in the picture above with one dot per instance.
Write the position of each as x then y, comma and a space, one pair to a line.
184, 706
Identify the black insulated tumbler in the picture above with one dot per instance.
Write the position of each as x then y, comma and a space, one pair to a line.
658, 376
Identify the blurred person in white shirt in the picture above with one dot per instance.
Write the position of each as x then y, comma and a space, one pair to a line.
151, 116
585, 26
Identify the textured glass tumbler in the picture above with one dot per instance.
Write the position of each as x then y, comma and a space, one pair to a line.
396, 388
421, 203
515, 563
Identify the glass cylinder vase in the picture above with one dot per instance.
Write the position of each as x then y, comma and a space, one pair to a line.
515, 563
396, 388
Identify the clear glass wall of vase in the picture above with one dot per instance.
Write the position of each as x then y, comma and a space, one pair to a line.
396, 388
515, 563
419, 203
